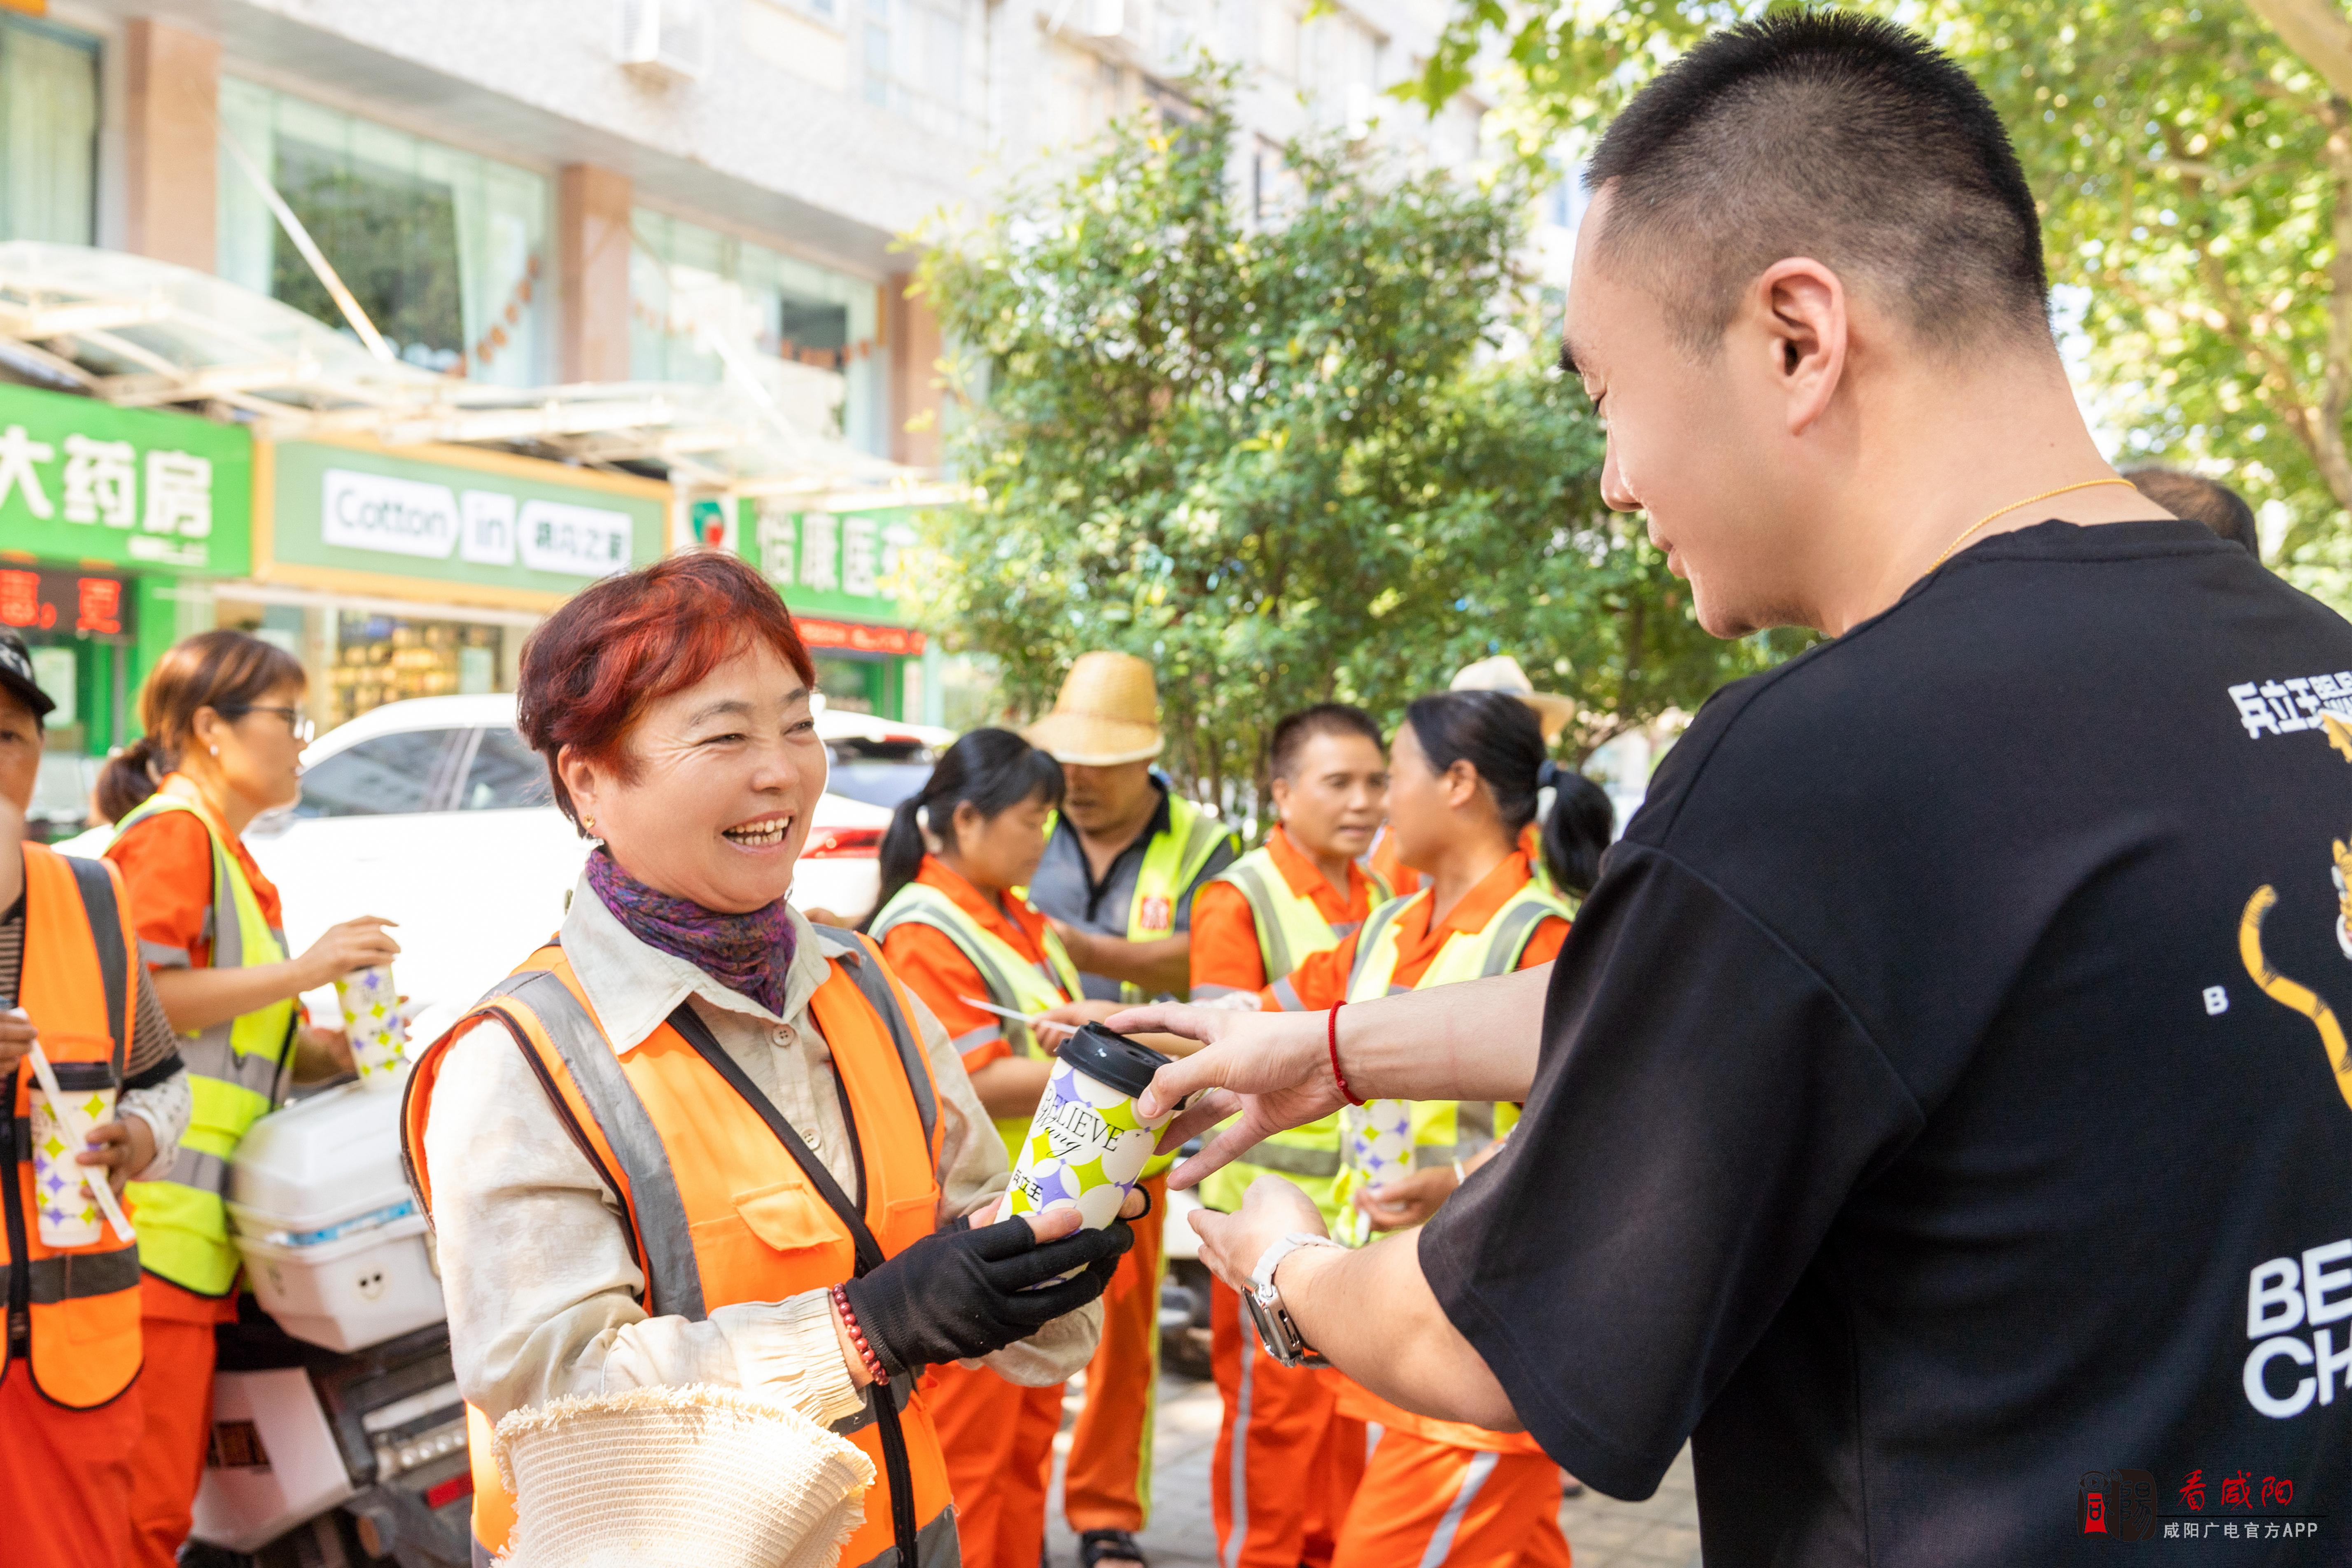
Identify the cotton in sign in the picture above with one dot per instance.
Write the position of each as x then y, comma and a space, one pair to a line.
577, 540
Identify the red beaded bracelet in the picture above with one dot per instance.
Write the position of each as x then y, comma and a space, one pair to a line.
857, 1337
1332, 1037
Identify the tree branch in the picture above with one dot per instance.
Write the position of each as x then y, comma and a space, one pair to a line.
2317, 31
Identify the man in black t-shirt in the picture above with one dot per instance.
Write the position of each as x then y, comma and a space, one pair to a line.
1941, 1112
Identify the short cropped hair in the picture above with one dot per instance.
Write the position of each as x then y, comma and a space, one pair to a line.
1294, 729
592, 667
1829, 135
2200, 500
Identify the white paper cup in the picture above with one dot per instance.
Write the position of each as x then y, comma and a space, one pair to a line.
69, 1215
1375, 1149
1086, 1146
372, 1022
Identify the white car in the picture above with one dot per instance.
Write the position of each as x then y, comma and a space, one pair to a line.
433, 813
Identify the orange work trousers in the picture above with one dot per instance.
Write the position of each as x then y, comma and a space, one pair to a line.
1107, 1482
999, 1441
1288, 1462
1424, 1503
65, 1476
176, 1394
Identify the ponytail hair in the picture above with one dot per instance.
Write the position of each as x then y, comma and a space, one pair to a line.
995, 770
223, 671
1498, 736
1578, 831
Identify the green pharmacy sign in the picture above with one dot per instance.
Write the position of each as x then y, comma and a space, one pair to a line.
85, 482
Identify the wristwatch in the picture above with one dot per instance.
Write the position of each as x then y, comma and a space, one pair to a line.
1274, 1329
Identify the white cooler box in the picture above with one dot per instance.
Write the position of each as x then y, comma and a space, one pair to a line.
334, 1246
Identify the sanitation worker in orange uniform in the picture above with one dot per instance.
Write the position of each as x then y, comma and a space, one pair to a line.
1125, 859
1468, 768
70, 980
1287, 1461
959, 936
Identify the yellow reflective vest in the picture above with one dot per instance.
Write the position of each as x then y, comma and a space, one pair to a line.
235, 1073
1443, 1130
1290, 930
1011, 979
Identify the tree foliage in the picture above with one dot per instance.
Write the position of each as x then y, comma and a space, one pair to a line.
1270, 457
2191, 171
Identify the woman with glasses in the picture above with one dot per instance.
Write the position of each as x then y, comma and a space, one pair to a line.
223, 713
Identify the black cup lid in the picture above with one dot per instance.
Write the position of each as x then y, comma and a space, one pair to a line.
1114, 1059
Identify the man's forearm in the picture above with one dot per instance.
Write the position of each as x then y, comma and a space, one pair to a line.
1474, 1041
1405, 1347
1162, 966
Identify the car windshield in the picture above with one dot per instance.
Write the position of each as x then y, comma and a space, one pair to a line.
879, 772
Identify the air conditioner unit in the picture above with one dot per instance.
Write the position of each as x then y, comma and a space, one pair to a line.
668, 38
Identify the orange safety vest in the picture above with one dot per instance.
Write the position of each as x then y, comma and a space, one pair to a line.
717, 1209
73, 1313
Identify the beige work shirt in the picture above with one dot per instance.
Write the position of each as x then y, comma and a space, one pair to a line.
544, 1295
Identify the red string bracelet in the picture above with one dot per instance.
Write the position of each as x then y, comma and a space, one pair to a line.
1332, 1037
857, 1337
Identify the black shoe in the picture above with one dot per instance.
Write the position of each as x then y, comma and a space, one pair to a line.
1094, 1546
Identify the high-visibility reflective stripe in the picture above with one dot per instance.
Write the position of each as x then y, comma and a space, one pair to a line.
935, 1546
96, 886
973, 1040
1273, 1156
1011, 982
210, 1055
1285, 996
875, 986
1206, 992
1369, 936
1516, 928
672, 1277
1170, 861
1474, 1476
77, 1275
1237, 1484
1273, 942
155, 955
204, 1172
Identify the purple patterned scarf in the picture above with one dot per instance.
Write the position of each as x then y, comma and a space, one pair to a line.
749, 954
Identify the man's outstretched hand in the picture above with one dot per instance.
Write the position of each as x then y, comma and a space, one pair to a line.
1272, 1068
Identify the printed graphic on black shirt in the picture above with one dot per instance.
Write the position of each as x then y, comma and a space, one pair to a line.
2293, 1303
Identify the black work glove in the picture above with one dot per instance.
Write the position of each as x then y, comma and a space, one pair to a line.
957, 1295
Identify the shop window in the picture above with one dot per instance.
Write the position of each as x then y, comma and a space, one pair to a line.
447, 252
387, 658
383, 777
850, 685
505, 776
699, 300
48, 133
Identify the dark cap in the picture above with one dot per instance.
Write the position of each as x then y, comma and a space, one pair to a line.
1114, 1059
17, 675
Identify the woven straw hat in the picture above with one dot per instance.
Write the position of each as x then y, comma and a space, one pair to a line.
1502, 673
698, 1477
1107, 713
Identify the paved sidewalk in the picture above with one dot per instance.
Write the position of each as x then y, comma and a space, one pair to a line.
1662, 1533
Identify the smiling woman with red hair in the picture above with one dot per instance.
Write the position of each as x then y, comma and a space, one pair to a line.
706, 1142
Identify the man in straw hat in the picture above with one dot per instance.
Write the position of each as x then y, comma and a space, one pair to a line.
1502, 673
1124, 858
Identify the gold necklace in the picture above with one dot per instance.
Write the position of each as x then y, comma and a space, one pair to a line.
2029, 500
